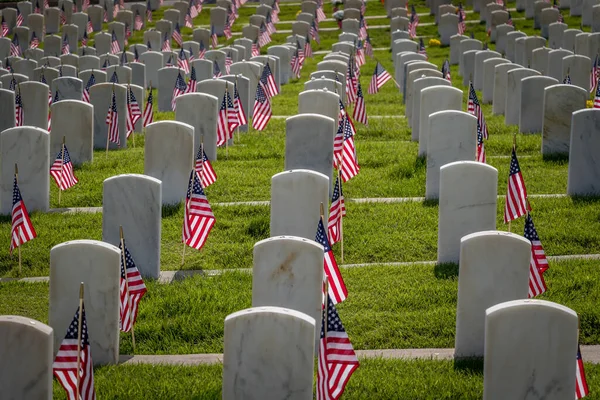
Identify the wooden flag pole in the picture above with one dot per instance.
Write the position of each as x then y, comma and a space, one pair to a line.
191, 182
79, 323
19, 246
110, 108
124, 261
61, 166
341, 219
133, 131
393, 80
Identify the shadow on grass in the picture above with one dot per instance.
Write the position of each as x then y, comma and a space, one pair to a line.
446, 271
431, 203
258, 228
559, 159
583, 200
472, 365
170, 210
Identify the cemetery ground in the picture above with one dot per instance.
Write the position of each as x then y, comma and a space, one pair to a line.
404, 305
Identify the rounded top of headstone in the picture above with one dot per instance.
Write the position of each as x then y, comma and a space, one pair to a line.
459, 164
24, 321
300, 172
85, 242
289, 239
497, 234
529, 303
133, 176
270, 310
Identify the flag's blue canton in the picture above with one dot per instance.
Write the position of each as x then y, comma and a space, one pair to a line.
359, 93
216, 68
378, 69
16, 192
322, 238
72, 332
473, 96
265, 74
342, 108
43, 79
150, 99
223, 103
334, 324
530, 231
136, 55
180, 83
514, 165
196, 187
347, 130
18, 100
114, 78
13, 84
202, 45
129, 263
181, 54
229, 102
114, 36
337, 190
113, 106
479, 133
91, 82
132, 98
260, 94
106, 64
193, 74
66, 157
55, 97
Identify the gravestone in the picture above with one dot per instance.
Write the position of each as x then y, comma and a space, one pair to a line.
532, 109
166, 82
433, 99
102, 42
410, 67
569, 39
48, 73
121, 200
153, 60
467, 45
25, 67
268, 353
497, 18
89, 62
447, 28
578, 67
322, 102
218, 16
323, 83
554, 66
68, 88
35, 104
501, 37
519, 52
493, 268
511, 38
411, 92
548, 16
401, 45
539, 59
100, 98
217, 56
513, 94
309, 143
452, 137
96, 14
468, 192
138, 73
204, 69
556, 32
480, 57
548, 367
123, 73
274, 64
288, 272
296, 196
489, 75
80, 19
35, 22
100, 77
7, 78
415, 99
560, 103
401, 60
204, 123
70, 59
169, 155
154, 38
97, 265
455, 48
583, 166
284, 56
74, 120
27, 356
7, 109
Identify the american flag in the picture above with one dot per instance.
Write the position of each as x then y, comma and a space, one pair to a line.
37, 9
538, 263
320, 14
337, 360
179, 89
193, 10
228, 63
567, 80
4, 27
216, 70
169, 62
314, 32
336, 212
131, 290
337, 288
22, 230
308, 53
480, 155
20, 17
188, 19
368, 47
214, 40
133, 111
594, 74
149, 46
65, 363
510, 21
204, 168
138, 23
34, 43
380, 77
13, 82
362, 28
114, 77
198, 217
105, 12
597, 98
182, 61
350, 166
84, 6
255, 49
114, 44
263, 36
413, 22
166, 45
232, 116
223, 126
422, 48
90, 27
360, 108
227, 28
112, 120
269, 24
148, 112
295, 64
127, 34
192, 83
148, 11
461, 11
473, 107
344, 117
446, 71
268, 81
19, 117
360, 54
239, 107
86, 92
15, 49
516, 197
262, 109
351, 83
62, 170
581, 386
177, 35
106, 64
202, 50
560, 17
462, 27
50, 102
84, 41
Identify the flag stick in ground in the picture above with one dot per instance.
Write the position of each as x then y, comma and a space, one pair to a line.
79, 317
514, 148
63, 163
341, 218
132, 133
108, 131
19, 247
126, 284
186, 202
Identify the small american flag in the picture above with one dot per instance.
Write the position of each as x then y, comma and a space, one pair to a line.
22, 230
133, 111
15, 49
262, 109
307, 48
106, 64
214, 40
368, 47
232, 116
337, 288
446, 71
19, 21
538, 263
90, 27
37, 9
193, 10
422, 48
202, 51
314, 32
337, 360
295, 64
360, 109
239, 107
138, 24
112, 120
594, 74
581, 386
148, 114
114, 44
227, 28
560, 17
473, 107
166, 45
255, 49
336, 212
19, 117
510, 21
123, 58
192, 83
351, 83
268, 81
597, 98
223, 125
182, 61
148, 11
269, 24
228, 63
188, 19
34, 43
516, 197
567, 80
86, 92
169, 62
480, 156
62, 170
131, 290
360, 54
263, 36
413, 22
350, 166
105, 12
320, 14
4, 27
65, 363
216, 70
84, 41
198, 218
50, 102
127, 34
179, 89
462, 27
380, 77
177, 35
114, 78
204, 168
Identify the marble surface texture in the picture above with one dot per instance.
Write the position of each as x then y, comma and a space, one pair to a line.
560, 102
433, 99
100, 98
584, 166
68, 88
203, 122
74, 120
420, 79
322, 102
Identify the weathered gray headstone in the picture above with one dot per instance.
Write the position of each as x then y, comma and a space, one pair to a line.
433, 99
513, 94
68, 88
73, 120
322, 102
100, 98
532, 109
560, 103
